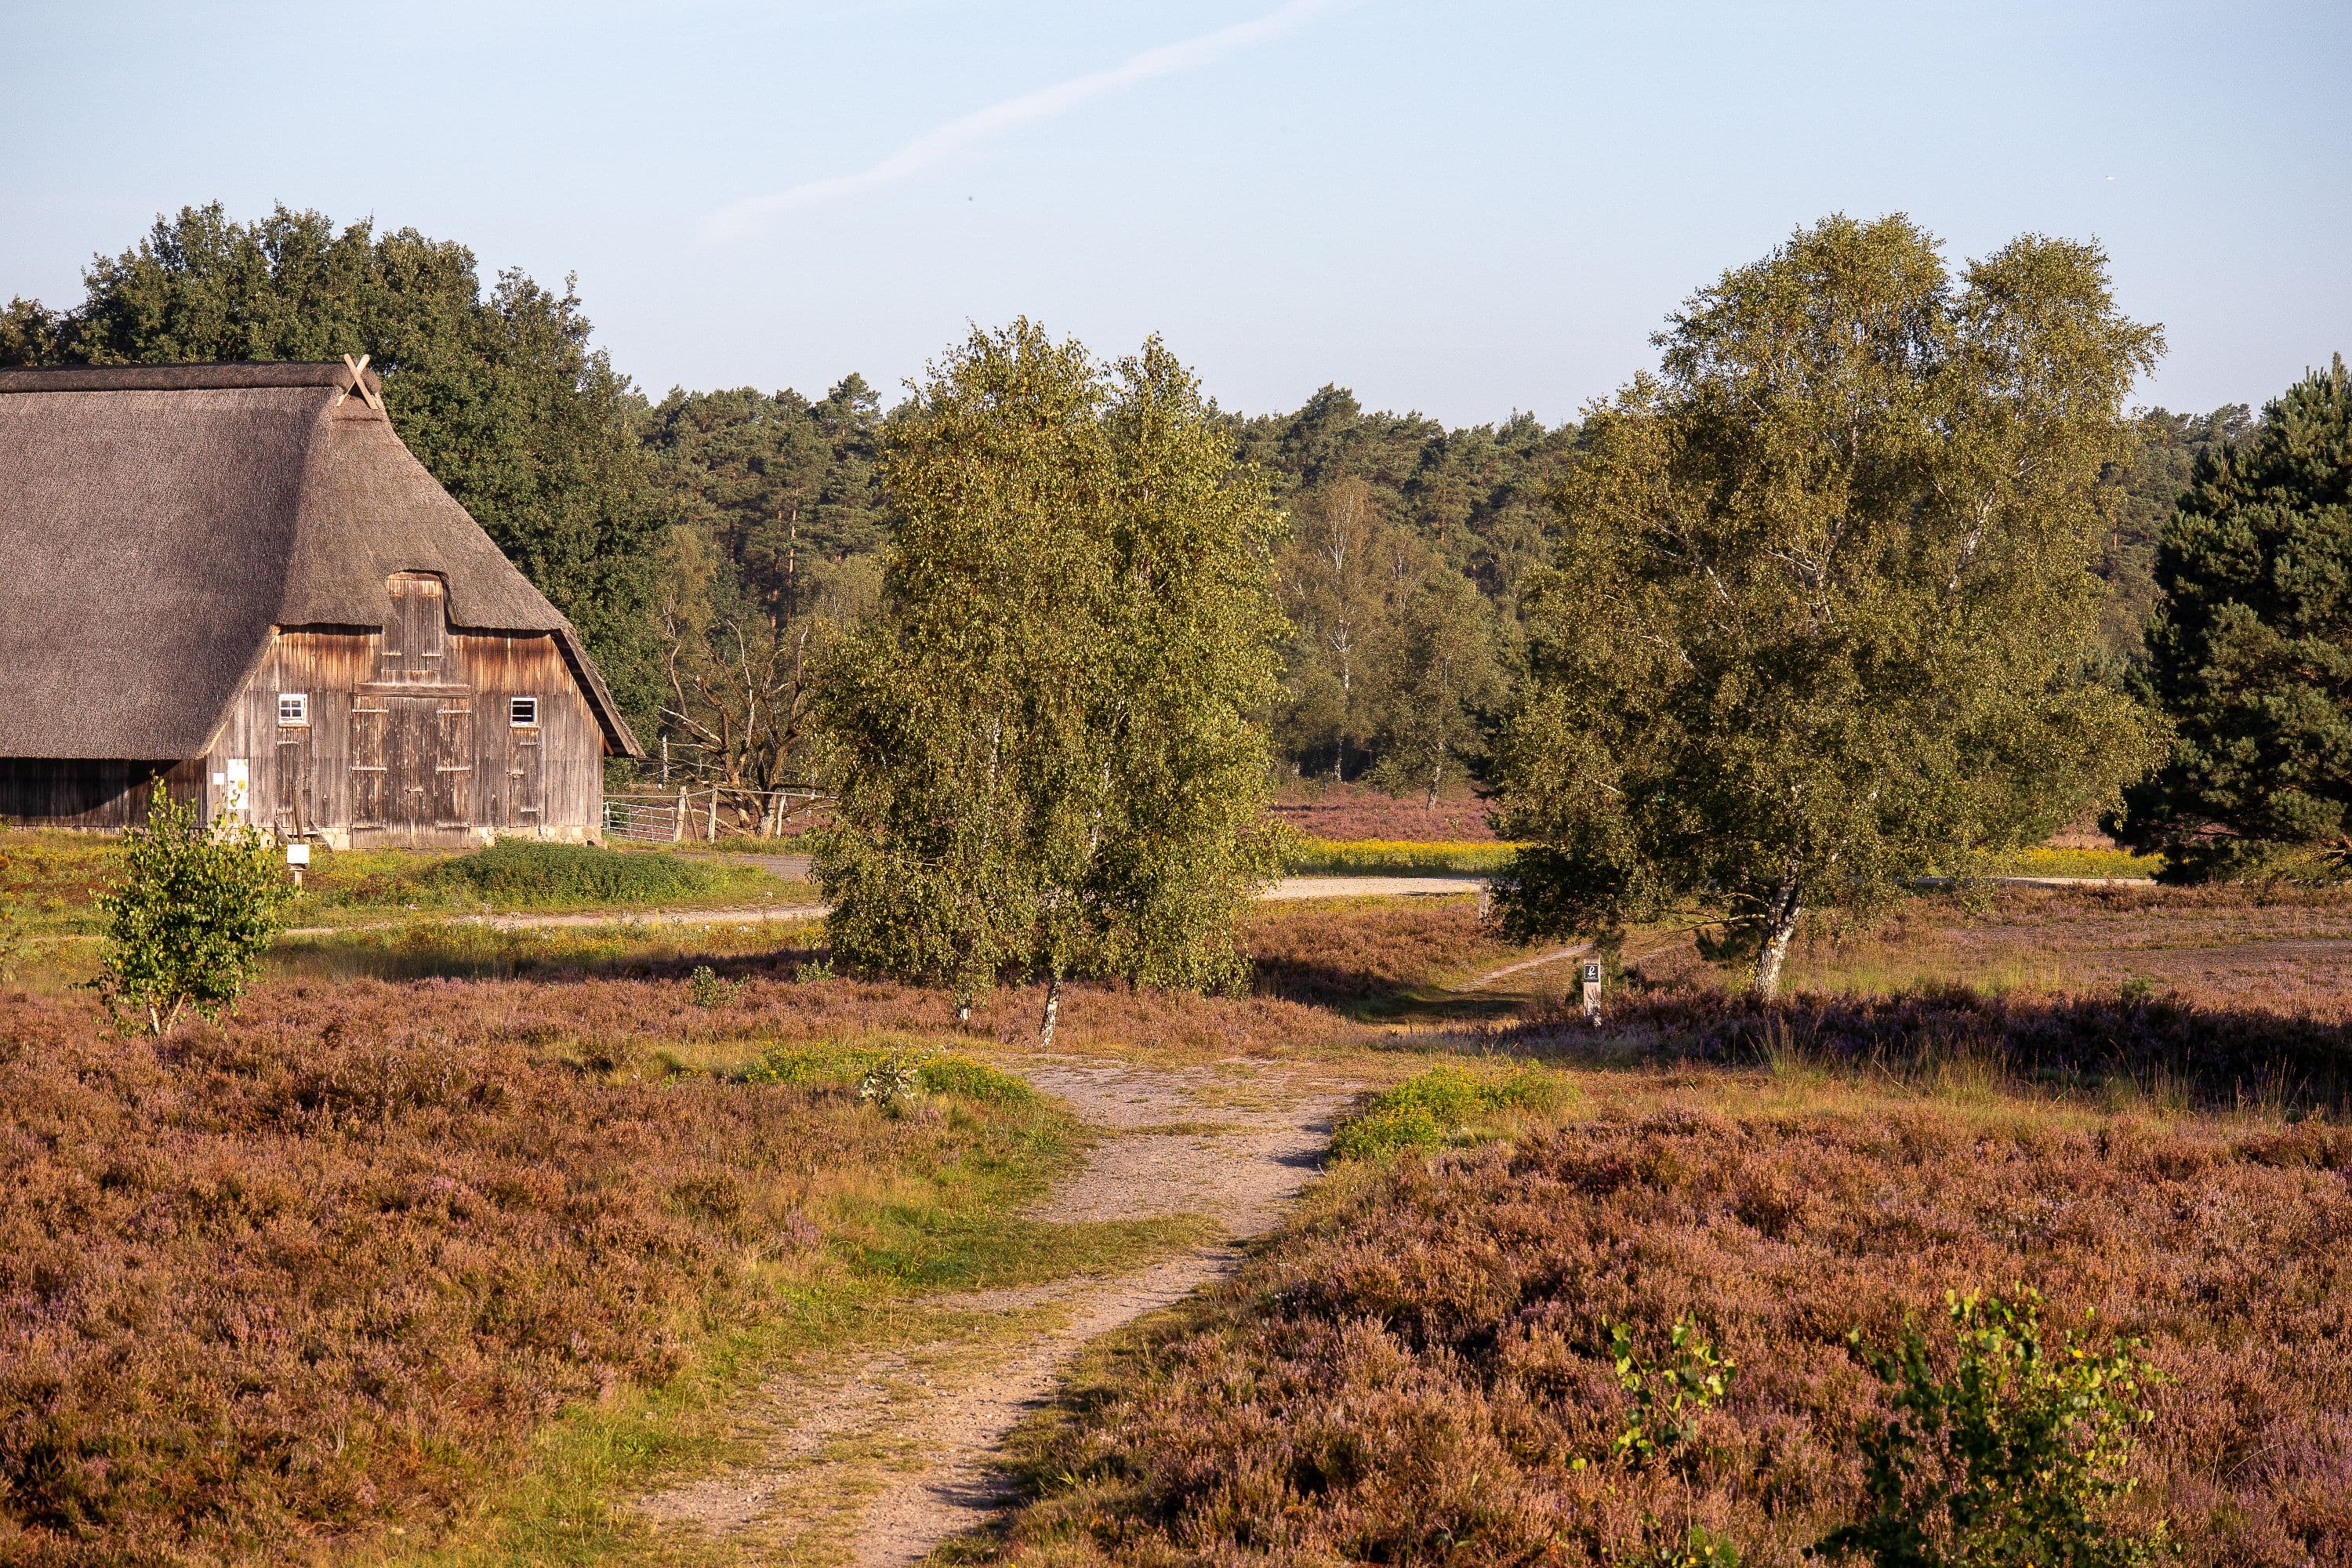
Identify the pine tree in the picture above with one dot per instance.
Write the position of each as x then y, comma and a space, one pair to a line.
2250, 653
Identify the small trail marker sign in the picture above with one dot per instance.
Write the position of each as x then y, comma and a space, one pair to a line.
1593, 992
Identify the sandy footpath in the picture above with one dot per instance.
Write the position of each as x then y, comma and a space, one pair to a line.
757, 914
878, 1461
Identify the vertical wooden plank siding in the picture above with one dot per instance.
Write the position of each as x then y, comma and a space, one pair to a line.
408, 737
103, 795
418, 760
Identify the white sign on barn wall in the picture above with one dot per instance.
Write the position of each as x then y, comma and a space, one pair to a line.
233, 800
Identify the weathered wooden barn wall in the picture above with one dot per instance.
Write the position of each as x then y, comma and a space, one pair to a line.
106, 795
409, 737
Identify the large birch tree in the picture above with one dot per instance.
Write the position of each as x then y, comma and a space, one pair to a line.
1050, 760
1821, 617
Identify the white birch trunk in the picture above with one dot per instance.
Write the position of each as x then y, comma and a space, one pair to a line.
1052, 1013
1779, 925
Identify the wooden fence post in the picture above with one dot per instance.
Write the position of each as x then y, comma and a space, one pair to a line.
677, 823
711, 834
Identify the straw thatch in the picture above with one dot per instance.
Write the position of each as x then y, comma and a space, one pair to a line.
157, 522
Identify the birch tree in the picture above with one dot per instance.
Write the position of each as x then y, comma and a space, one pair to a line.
1442, 677
1821, 616
1049, 760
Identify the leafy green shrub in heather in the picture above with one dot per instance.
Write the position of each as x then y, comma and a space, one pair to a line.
523, 871
1667, 1393
1385, 1129
892, 1072
198, 906
1699, 1548
969, 1079
1433, 1108
2021, 1456
891, 1083
1666, 1397
709, 990
12, 942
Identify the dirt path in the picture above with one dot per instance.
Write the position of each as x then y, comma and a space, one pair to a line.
878, 1462
755, 915
1480, 981
743, 915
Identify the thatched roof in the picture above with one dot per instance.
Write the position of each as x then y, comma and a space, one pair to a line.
157, 521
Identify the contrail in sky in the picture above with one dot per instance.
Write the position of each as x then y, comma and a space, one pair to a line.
737, 219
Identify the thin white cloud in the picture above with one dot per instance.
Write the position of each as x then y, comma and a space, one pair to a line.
746, 217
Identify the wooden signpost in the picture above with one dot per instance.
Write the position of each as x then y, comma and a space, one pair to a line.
1592, 992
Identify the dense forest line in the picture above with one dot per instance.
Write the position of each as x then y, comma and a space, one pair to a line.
712, 545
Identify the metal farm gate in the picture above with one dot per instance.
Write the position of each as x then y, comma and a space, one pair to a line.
641, 821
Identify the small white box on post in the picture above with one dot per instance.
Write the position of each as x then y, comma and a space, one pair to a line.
298, 857
1592, 992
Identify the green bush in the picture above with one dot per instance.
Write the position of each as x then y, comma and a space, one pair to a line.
892, 1083
976, 1081
891, 1070
186, 926
800, 1065
1430, 1108
709, 990
2021, 1455
12, 942
1667, 1396
1384, 1129
523, 872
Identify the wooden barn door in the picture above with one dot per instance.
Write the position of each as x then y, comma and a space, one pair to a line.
372, 791
526, 777
452, 762
417, 637
415, 748
291, 782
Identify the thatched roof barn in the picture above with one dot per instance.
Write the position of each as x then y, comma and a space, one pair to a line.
165, 530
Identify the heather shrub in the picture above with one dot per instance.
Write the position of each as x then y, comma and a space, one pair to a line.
1351, 955
2218, 1056
273, 1288
196, 907
1412, 1370
529, 873
2019, 1456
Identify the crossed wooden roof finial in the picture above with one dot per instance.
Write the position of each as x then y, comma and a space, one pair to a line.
359, 381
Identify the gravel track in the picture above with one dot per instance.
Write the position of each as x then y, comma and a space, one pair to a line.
878, 1461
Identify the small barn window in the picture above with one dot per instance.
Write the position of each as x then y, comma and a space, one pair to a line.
522, 711
293, 708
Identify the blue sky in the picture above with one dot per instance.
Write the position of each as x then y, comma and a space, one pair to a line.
1465, 209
